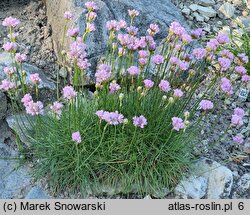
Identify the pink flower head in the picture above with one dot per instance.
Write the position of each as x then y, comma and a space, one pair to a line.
121, 51
225, 63
91, 16
227, 54
199, 53
112, 25
142, 43
73, 32
239, 112
186, 38
9, 46
20, 58
206, 105
148, 83
174, 60
10, 22
69, 93
68, 15
183, 65
133, 13
9, 70
91, 6
243, 58
56, 108
178, 93
236, 120
132, 30
122, 24
90, 27
143, 61
240, 70
103, 73
143, 54
14, 35
226, 86
34, 108
197, 33
6, 85
222, 38
158, 59
245, 78
177, 123
176, 28
77, 50
76, 137
164, 85
238, 139
133, 70
153, 30
35, 79
114, 87
139, 121
83, 64
26, 99
212, 45
112, 118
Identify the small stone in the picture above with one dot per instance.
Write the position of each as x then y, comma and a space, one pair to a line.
193, 187
227, 10
198, 17
194, 7
37, 193
186, 11
207, 11
63, 72
147, 197
206, 2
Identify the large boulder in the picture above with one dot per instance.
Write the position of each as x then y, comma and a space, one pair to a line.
162, 12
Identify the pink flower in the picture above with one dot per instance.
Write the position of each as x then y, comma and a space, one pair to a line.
122, 24
143, 54
143, 61
183, 65
20, 58
112, 118
174, 60
239, 112
164, 85
158, 59
103, 73
35, 79
243, 58
76, 137
212, 44
240, 70
197, 33
225, 63
90, 27
122, 51
153, 30
69, 93
26, 99
133, 13
236, 120
132, 30
133, 70
14, 35
227, 54
100, 114
148, 83
68, 15
139, 121
199, 53
9, 70
238, 139
186, 38
226, 86
114, 87
112, 25
73, 32
77, 51
206, 105
91, 16
83, 64
178, 93
91, 6
222, 38
34, 108
177, 123
9, 46
176, 28
10, 22
245, 78
56, 108
6, 85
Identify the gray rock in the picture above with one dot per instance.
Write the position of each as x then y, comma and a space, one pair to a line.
194, 7
3, 106
207, 11
164, 11
186, 11
5, 60
5, 131
245, 21
220, 178
198, 17
227, 10
37, 193
192, 187
206, 2
21, 124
